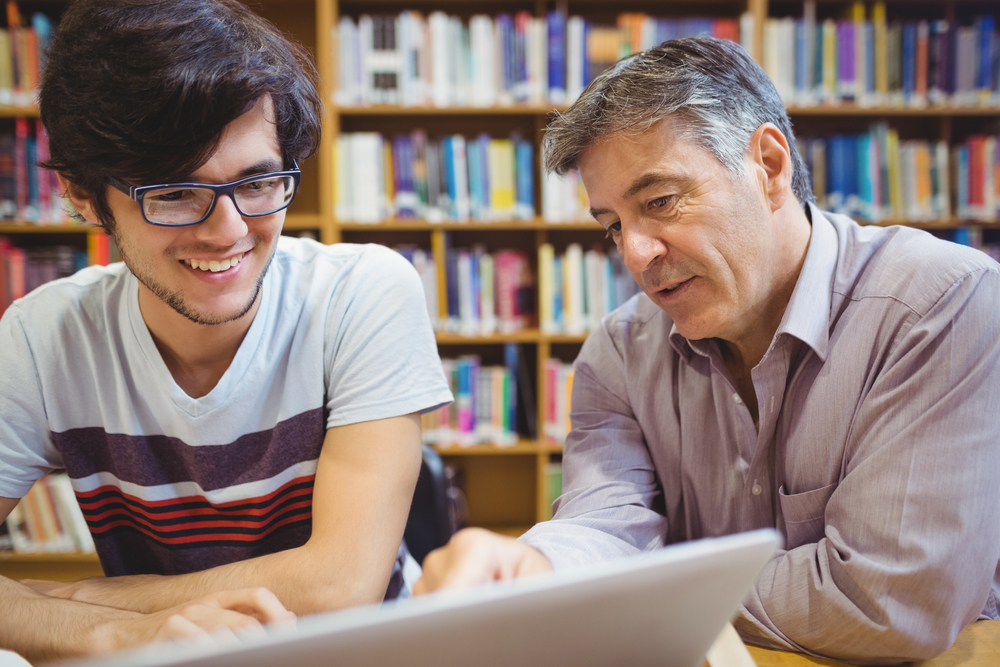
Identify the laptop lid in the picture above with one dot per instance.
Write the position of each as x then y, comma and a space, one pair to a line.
663, 608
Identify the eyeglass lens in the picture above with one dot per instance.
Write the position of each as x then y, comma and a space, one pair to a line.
178, 206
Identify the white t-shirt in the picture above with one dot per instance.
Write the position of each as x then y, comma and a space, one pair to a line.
172, 484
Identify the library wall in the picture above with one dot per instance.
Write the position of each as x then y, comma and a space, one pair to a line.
432, 134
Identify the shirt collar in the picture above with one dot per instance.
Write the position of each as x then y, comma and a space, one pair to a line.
808, 312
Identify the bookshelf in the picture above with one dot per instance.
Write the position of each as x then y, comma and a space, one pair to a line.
506, 487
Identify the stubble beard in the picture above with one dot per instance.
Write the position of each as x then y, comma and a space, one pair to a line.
175, 298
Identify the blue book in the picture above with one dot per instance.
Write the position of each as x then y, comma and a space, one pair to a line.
801, 76
478, 208
506, 48
557, 293
817, 74
851, 176
484, 170
557, 56
984, 75
909, 60
962, 187
524, 169
836, 188
863, 176
511, 358
451, 182
451, 283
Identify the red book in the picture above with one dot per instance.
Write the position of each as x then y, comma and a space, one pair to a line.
44, 176
923, 39
21, 166
17, 263
4, 270
726, 29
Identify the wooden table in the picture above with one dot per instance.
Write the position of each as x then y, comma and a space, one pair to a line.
977, 646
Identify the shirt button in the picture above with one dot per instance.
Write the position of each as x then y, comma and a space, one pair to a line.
736, 397
756, 489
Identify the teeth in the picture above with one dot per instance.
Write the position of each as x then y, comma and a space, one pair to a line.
213, 265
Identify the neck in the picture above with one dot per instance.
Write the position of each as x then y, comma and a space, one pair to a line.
197, 355
792, 229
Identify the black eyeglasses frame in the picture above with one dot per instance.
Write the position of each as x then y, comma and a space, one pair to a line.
137, 192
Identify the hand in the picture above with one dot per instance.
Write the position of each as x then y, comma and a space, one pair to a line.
476, 556
224, 616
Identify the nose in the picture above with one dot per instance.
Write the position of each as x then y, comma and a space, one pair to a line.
640, 247
225, 226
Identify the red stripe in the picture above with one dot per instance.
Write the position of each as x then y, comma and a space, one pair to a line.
233, 522
210, 537
271, 498
96, 509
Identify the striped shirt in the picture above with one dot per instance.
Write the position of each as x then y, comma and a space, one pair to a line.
172, 484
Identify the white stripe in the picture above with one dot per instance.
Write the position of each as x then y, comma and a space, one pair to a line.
185, 489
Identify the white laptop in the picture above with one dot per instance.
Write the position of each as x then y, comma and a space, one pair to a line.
664, 608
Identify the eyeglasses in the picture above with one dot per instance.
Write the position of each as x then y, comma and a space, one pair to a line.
183, 204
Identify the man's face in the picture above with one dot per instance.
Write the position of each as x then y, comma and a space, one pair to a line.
168, 260
698, 240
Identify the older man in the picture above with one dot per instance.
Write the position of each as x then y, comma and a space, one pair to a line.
785, 367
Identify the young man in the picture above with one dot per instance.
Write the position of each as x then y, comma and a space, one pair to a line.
236, 409
785, 368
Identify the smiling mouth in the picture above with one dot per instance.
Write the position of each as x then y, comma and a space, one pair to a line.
214, 266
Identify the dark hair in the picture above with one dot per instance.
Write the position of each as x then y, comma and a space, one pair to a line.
142, 89
720, 94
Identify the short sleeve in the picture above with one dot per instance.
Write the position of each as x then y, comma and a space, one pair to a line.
380, 354
26, 451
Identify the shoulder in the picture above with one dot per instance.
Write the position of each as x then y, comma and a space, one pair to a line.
88, 295
909, 266
628, 335
304, 256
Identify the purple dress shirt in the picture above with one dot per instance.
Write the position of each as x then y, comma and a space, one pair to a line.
877, 455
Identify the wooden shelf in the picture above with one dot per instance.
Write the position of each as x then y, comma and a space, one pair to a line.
20, 227
19, 112
527, 336
523, 447
50, 566
408, 225
930, 111
386, 110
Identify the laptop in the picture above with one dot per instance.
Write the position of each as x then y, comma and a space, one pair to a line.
663, 608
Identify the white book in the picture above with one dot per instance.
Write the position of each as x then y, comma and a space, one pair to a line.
772, 56
575, 53
468, 319
538, 60
23, 544
366, 177
943, 204
594, 288
70, 514
573, 289
805, 97
366, 27
423, 262
483, 66
347, 66
747, 32
343, 206
487, 302
460, 84
405, 35
649, 36
552, 189
440, 31
460, 205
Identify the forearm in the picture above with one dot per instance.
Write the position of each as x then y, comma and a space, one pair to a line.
304, 579
43, 628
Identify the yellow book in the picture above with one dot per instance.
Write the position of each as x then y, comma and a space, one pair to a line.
860, 54
501, 154
6, 70
895, 185
829, 59
389, 191
881, 53
924, 189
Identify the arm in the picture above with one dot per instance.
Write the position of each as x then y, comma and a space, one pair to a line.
608, 508
364, 484
911, 539
30, 619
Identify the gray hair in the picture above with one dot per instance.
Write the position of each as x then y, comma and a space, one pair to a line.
720, 94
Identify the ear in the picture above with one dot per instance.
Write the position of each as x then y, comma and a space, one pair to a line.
771, 155
82, 202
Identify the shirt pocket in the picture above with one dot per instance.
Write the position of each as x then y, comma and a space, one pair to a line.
804, 515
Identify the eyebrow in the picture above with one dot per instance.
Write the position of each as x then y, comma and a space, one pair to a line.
638, 185
262, 167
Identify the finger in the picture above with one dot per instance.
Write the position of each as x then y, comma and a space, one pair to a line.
259, 603
177, 627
